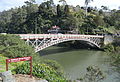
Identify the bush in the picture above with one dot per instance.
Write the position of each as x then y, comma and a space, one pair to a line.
3, 64
41, 71
109, 48
12, 46
56, 66
94, 74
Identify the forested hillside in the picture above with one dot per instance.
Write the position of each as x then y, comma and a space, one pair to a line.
38, 18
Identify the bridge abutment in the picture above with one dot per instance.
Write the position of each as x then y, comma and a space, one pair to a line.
108, 39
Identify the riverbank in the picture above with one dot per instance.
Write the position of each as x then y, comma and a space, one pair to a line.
12, 47
75, 61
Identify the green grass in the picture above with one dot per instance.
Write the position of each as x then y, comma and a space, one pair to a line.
2, 63
11, 66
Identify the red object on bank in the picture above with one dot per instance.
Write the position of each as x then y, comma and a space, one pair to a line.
18, 60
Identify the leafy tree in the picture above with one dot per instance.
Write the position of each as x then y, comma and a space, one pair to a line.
89, 24
31, 7
66, 10
94, 74
18, 18
79, 20
12, 46
105, 8
99, 20
5, 19
31, 18
47, 14
86, 3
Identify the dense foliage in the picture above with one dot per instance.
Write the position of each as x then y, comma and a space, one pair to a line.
41, 71
11, 46
113, 50
38, 18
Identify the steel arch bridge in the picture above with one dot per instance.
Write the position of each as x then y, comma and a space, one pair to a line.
42, 41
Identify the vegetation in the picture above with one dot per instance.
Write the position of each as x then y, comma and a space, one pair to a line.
94, 74
34, 18
113, 50
3, 63
56, 66
41, 71
12, 47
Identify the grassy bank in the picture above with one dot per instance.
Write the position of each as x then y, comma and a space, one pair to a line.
3, 63
12, 47
11, 65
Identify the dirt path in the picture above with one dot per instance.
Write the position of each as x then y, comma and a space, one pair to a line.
26, 78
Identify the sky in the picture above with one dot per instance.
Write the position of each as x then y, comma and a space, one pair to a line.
111, 4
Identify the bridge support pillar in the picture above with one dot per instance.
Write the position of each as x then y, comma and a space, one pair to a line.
108, 39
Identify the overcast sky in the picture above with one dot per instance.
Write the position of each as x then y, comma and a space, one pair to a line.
112, 4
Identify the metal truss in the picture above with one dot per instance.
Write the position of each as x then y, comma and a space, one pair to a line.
42, 41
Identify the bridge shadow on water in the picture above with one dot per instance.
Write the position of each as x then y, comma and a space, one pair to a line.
54, 50
61, 48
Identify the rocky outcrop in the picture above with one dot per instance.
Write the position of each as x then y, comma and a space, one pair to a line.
7, 77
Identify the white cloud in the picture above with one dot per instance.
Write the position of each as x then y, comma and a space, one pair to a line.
112, 4
7, 4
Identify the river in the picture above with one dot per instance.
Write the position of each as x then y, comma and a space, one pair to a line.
75, 61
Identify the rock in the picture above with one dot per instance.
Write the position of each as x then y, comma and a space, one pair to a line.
0, 79
7, 76
41, 80
77, 81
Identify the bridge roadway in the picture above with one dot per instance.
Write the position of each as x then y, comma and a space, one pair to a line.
42, 41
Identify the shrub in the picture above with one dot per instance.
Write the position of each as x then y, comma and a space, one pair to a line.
94, 74
12, 46
109, 48
3, 64
41, 71
55, 65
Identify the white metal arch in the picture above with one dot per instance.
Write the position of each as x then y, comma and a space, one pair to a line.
42, 41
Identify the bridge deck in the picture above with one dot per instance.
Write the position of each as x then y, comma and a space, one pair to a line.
40, 36
42, 41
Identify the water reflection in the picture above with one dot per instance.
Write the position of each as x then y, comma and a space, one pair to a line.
75, 61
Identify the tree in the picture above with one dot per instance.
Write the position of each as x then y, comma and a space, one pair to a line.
94, 74
99, 20
104, 8
66, 10
17, 20
12, 46
79, 20
63, 2
5, 19
31, 7
86, 4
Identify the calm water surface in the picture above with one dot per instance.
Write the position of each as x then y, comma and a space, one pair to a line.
75, 61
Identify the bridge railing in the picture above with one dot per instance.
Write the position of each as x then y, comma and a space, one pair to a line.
40, 36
